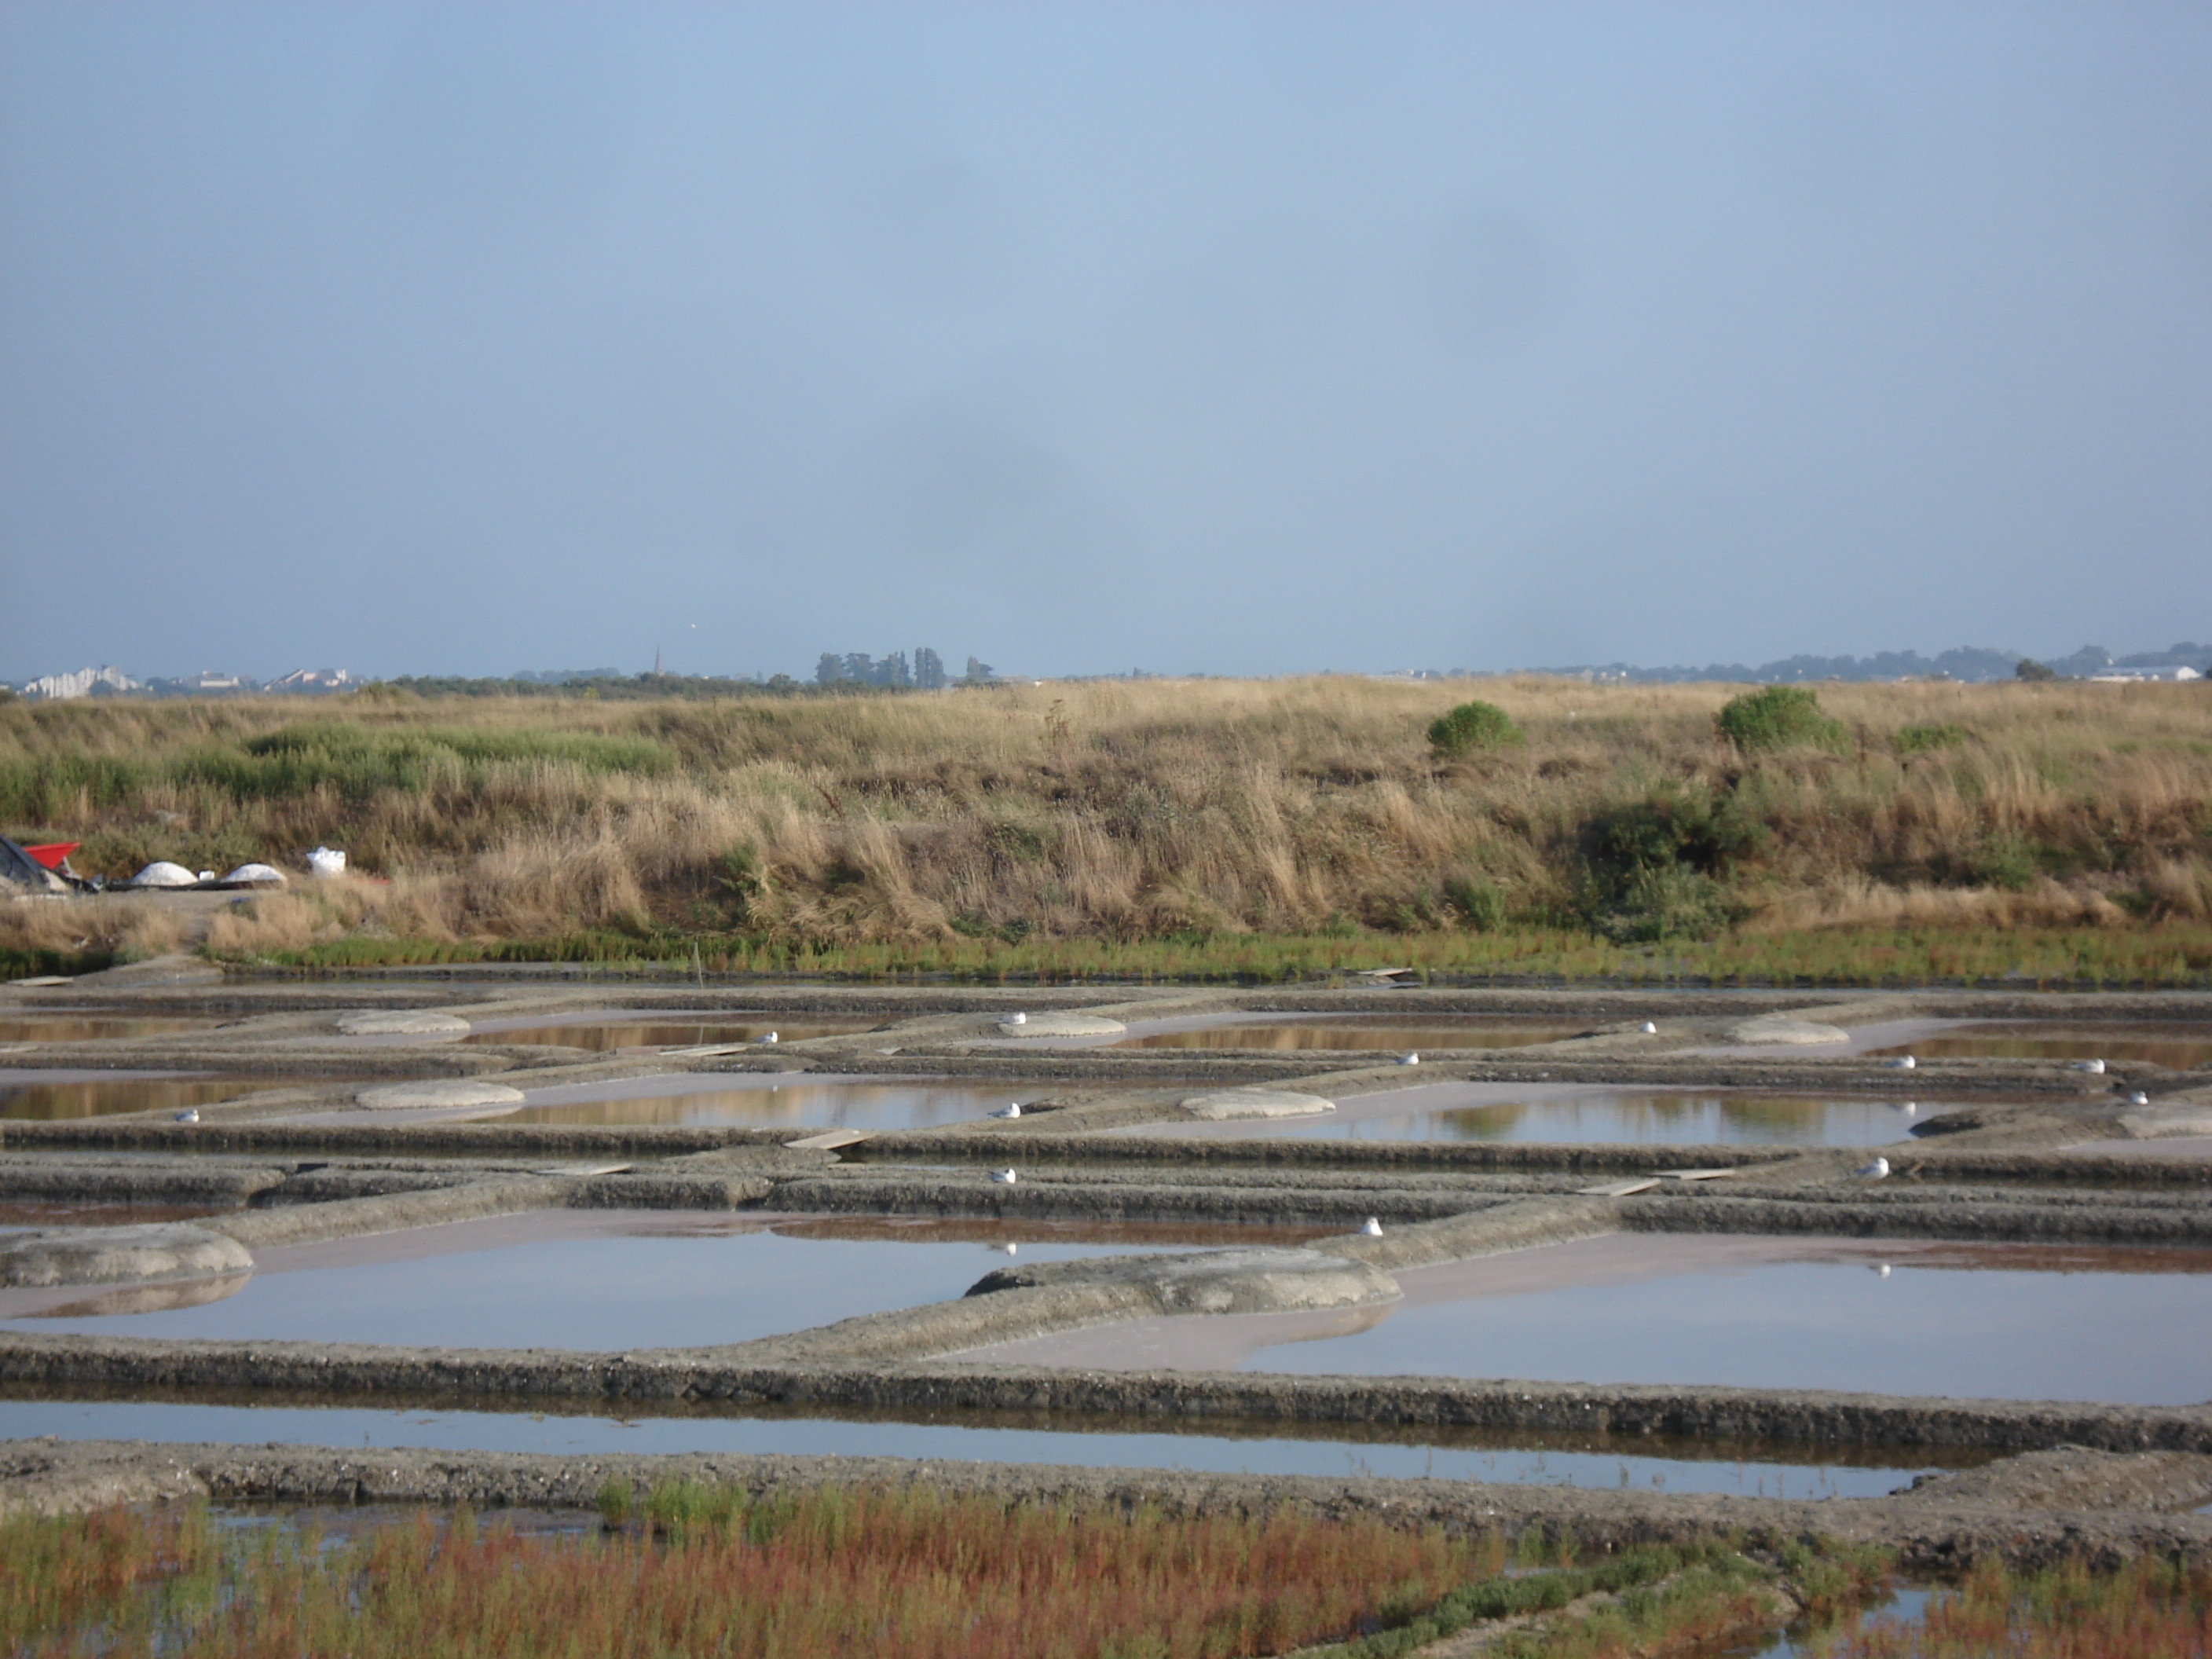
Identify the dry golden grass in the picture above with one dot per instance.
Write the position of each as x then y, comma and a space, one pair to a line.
1131, 810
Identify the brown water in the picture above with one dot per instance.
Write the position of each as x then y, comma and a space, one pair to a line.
25, 1093
766, 1101
2182, 1046
1992, 1321
69, 1213
1295, 1031
88, 1028
654, 1028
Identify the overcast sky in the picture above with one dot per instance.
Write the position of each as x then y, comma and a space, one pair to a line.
1233, 338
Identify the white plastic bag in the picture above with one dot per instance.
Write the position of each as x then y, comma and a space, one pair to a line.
326, 861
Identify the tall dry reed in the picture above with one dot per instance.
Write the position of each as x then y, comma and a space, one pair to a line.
1127, 810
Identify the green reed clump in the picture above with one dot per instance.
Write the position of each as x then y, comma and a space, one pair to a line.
1775, 717
1471, 727
907, 1573
1919, 740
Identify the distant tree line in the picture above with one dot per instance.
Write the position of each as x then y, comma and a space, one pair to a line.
925, 673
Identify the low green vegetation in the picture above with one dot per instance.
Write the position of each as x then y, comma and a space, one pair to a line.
1777, 717
2089, 957
1471, 727
1919, 740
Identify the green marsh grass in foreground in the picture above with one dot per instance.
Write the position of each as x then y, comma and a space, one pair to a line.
2172, 955
906, 1574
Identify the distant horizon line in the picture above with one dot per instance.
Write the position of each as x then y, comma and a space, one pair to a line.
1968, 663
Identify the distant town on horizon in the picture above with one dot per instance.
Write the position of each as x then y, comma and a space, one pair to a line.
926, 671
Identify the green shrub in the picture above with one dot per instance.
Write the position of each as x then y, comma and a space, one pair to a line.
1478, 901
1777, 717
1471, 726
1655, 867
2007, 860
2029, 669
1918, 739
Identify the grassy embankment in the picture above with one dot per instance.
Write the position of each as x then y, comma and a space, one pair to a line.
1261, 830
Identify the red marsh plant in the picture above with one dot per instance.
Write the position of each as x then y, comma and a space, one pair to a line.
900, 1572
2150, 1609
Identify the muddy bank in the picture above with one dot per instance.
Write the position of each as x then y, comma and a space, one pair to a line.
498, 1379
1931, 1532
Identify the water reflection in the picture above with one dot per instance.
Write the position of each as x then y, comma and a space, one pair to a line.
1473, 1031
668, 1030
592, 1280
2181, 1045
1995, 1321
702, 1098
58, 1094
88, 1027
1687, 1118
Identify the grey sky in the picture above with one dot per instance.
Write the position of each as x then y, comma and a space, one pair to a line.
1235, 337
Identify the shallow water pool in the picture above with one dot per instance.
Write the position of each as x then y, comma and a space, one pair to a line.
661, 1029
1763, 1472
2183, 1046
28, 1093
584, 1281
1577, 1113
1300, 1031
2014, 1321
88, 1028
769, 1101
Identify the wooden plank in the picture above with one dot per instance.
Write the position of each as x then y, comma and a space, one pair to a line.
828, 1140
1620, 1189
712, 1050
1695, 1175
588, 1169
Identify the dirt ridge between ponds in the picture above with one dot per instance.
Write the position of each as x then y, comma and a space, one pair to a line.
494, 1379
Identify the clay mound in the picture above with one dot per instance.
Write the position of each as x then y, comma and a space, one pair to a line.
1226, 1104
402, 1022
115, 1256
1062, 1025
414, 1097
1781, 1028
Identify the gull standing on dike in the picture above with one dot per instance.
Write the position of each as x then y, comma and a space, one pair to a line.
769, 1038
1409, 1059
2095, 1068
1372, 1227
1648, 1028
190, 1115
1876, 1171
1902, 1063
1004, 1177
1017, 1019
1011, 1108
2138, 1098
1910, 1108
